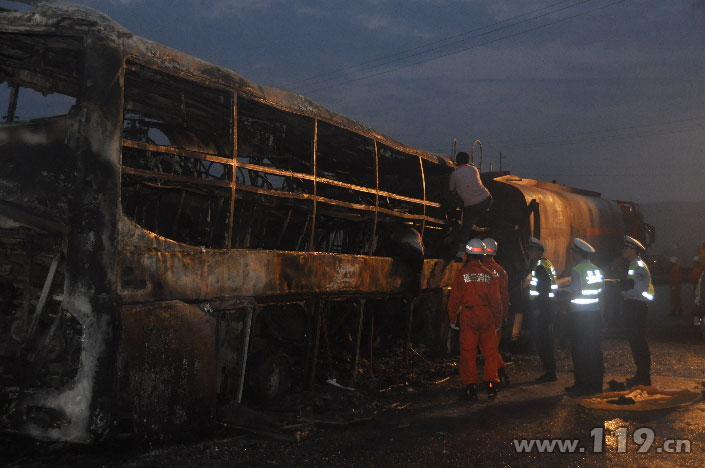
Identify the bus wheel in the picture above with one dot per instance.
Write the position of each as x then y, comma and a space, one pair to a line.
269, 376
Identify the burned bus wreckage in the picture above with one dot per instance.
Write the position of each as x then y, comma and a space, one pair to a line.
172, 234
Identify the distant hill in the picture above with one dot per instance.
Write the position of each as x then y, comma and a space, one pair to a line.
680, 228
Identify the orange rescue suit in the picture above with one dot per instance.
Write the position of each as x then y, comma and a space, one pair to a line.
475, 303
501, 280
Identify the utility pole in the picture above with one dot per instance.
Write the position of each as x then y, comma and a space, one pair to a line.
500, 161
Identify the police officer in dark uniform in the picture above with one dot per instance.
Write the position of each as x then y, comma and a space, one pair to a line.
638, 291
585, 322
541, 289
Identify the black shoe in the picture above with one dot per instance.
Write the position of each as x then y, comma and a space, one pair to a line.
491, 390
547, 377
471, 392
574, 389
638, 380
503, 378
578, 390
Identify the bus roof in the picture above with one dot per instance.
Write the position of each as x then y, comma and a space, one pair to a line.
62, 18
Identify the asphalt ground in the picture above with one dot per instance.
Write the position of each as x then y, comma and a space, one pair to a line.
415, 419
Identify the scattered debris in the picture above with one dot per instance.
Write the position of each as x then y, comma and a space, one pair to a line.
643, 398
616, 386
622, 400
334, 383
241, 418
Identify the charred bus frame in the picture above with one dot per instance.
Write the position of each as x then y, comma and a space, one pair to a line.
174, 212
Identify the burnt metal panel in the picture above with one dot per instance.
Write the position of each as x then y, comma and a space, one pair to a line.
252, 273
168, 354
66, 169
37, 174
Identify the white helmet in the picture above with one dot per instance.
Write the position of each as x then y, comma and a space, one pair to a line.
475, 247
583, 246
490, 246
629, 241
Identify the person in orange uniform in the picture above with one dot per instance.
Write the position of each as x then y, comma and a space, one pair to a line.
674, 280
501, 280
475, 308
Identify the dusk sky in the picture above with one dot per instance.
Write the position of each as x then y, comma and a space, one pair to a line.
607, 95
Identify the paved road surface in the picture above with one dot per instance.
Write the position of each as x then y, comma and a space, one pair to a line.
425, 425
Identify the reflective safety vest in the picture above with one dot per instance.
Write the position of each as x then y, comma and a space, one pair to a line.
631, 274
533, 292
592, 282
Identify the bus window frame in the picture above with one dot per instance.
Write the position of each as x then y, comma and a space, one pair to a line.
135, 61
233, 164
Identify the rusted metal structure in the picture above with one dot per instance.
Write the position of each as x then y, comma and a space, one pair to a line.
173, 219
177, 229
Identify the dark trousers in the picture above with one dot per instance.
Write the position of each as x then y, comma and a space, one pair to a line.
635, 324
411, 261
470, 215
586, 349
543, 318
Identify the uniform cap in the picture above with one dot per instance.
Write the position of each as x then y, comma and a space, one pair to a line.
534, 242
629, 241
475, 247
490, 246
583, 246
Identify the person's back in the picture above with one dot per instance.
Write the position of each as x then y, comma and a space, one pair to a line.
466, 182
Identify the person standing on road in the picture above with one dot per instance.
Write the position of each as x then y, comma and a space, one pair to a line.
674, 281
466, 182
541, 291
476, 310
585, 321
638, 291
501, 279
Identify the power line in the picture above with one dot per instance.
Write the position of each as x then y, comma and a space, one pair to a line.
464, 49
600, 139
548, 138
382, 60
559, 140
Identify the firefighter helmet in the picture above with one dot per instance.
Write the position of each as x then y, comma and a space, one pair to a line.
490, 246
475, 247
